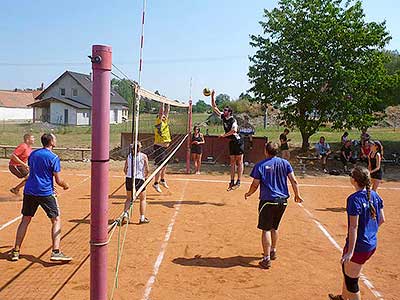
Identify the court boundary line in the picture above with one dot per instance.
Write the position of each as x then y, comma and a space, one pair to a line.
367, 282
5, 225
160, 257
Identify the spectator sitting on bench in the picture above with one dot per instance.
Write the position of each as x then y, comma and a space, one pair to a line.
323, 150
346, 155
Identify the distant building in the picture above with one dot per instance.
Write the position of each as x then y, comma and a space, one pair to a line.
13, 105
68, 101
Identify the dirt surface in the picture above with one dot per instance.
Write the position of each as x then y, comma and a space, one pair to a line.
213, 247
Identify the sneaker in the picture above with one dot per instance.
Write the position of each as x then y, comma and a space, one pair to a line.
125, 218
236, 185
59, 256
157, 188
14, 191
145, 221
325, 171
230, 186
335, 297
197, 173
164, 184
273, 255
14, 256
265, 264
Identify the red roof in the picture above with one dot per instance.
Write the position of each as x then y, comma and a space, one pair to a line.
16, 99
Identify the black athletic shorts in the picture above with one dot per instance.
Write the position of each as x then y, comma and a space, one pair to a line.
129, 186
377, 175
160, 154
196, 149
31, 203
236, 147
270, 214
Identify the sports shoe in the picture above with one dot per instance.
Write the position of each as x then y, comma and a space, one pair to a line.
236, 185
59, 256
145, 221
230, 186
157, 188
125, 218
265, 264
14, 191
164, 184
14, 256
335, 297
273, 255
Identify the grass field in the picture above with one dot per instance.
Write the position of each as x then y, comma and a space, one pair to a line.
11, 134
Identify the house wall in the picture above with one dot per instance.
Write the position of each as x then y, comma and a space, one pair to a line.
116, 113
68, 83
83, 117
11, 113
57, 113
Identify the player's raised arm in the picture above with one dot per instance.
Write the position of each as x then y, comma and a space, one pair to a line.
214, 106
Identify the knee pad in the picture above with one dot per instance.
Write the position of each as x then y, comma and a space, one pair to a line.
351, 283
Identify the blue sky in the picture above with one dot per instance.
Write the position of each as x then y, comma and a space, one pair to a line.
207, 40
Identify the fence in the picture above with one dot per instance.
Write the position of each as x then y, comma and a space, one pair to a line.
79, 154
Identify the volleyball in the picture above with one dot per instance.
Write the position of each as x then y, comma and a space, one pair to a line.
206, 92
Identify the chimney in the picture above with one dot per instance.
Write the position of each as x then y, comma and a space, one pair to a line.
42, 86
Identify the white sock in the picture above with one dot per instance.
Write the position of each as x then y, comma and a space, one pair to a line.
141, 217
266, 257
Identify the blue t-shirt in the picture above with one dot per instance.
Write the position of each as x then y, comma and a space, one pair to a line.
42, 164
272, 173
358, 205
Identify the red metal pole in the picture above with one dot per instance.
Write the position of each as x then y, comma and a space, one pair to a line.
189, 138
101, 66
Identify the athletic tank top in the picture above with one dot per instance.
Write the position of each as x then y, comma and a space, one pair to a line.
374, 163
139, 166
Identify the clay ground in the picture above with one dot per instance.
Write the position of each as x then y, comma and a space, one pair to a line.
202, 243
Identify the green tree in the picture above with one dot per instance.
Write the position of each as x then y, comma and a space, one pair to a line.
222, 100
319, 62
392, 93
125, 89
201, 107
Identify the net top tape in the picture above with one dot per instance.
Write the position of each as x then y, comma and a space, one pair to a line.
152, 96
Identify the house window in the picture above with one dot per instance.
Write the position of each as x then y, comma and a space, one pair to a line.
74, 92
62, 91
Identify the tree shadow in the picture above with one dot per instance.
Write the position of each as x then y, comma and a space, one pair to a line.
30, 258
217, 262
118, 197
171, 204
11, 198
332, 209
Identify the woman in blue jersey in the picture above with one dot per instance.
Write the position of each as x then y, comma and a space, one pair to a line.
365, 215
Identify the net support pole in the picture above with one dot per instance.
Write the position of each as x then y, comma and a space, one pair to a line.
101, 66
189, 140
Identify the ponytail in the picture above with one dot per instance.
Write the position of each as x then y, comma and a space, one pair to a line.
362, 176
372, 209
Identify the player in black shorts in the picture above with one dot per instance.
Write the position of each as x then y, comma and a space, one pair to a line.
236, 145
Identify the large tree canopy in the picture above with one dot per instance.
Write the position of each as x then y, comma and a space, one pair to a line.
319, 61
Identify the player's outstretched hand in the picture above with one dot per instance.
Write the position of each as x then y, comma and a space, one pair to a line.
298, 199
246, 196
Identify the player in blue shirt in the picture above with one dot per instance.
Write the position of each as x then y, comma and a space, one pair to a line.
39, 191
271, 175
364, 215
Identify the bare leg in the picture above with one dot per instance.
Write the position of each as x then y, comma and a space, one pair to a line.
162, 172
239, 161
199, 162
21, 231
194, 161
232, 161
56, 232
266, 242
352, 270
143, 203
128, 200
274, 236
21, 184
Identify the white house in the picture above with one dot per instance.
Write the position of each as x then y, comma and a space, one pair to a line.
68, 100
13, 105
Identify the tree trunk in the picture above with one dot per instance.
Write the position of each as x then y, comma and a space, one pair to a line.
305, 145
